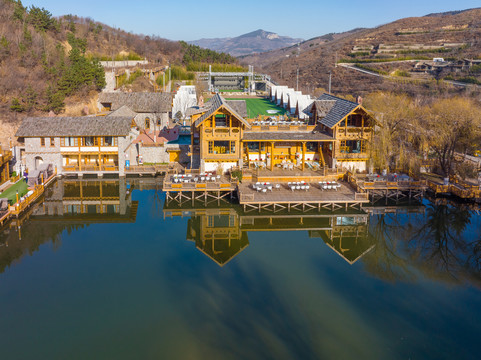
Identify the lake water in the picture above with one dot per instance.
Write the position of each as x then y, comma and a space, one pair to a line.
109, 270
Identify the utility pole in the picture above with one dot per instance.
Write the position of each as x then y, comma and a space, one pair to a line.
297, 79
329, 83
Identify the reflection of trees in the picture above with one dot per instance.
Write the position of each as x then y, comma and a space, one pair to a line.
442, 244
439, 241
385, 261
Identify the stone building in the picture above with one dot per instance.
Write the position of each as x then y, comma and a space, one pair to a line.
151, 111
89, 144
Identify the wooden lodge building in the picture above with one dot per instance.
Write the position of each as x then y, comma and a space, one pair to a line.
337, 134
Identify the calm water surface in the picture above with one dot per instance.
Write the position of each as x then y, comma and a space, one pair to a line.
109, 270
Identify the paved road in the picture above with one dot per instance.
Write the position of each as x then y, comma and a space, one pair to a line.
110, 80
353, 66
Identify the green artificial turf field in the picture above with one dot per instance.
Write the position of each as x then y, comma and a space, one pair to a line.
256, 107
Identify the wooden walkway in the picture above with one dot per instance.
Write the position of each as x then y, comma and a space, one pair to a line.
25, 202
389, 190
300, 200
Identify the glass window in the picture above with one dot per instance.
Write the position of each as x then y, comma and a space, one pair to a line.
232, 147
70, 141
108, 141
220, 121
211, 147
253, 146
89, 141
42, 141
311, 146
221, 147
147, 123
52, 141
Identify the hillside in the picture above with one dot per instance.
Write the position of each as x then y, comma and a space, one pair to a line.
51, 64
454, 36
254, 42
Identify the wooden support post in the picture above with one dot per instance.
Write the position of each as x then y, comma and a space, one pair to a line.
272, 156
303, 155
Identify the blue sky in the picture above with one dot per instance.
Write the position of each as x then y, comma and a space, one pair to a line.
191, 20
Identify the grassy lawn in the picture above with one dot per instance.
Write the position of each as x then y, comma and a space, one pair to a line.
11, 192
257, 107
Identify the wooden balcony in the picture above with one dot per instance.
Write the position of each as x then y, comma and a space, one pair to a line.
91, 168
353, 156
354, 133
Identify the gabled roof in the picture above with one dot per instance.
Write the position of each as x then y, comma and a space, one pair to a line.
240, 106
321, 107
337, 112
147, 102
123, 111
74, 126
215, 104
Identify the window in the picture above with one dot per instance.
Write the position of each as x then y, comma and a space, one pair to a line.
311, 146
89, 141
253, 146
211, 147
221, 147
147, 123
52, 141
232, 147
42, 141
108, 141
220, 121
70, 141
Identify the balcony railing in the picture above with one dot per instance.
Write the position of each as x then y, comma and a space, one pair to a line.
75, 168
350, 155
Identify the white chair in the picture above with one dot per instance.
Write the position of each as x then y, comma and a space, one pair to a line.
269, 187
298, 187
324, 187
307, 187
196, 179
218, 177
329, 187
207, 178
202, 178
292, 187
303, 187
186, 181
278, 186
264, 190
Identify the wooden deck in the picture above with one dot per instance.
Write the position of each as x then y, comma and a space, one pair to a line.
278, 175
303, 200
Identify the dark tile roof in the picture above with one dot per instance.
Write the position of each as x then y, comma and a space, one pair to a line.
214, 104
147, 102
123, 111
240, 106
337, 112
286, 136
74, 126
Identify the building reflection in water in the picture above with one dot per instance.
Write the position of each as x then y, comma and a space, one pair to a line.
67, 205
222, 233
88, 200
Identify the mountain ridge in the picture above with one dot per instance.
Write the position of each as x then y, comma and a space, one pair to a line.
256, 41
